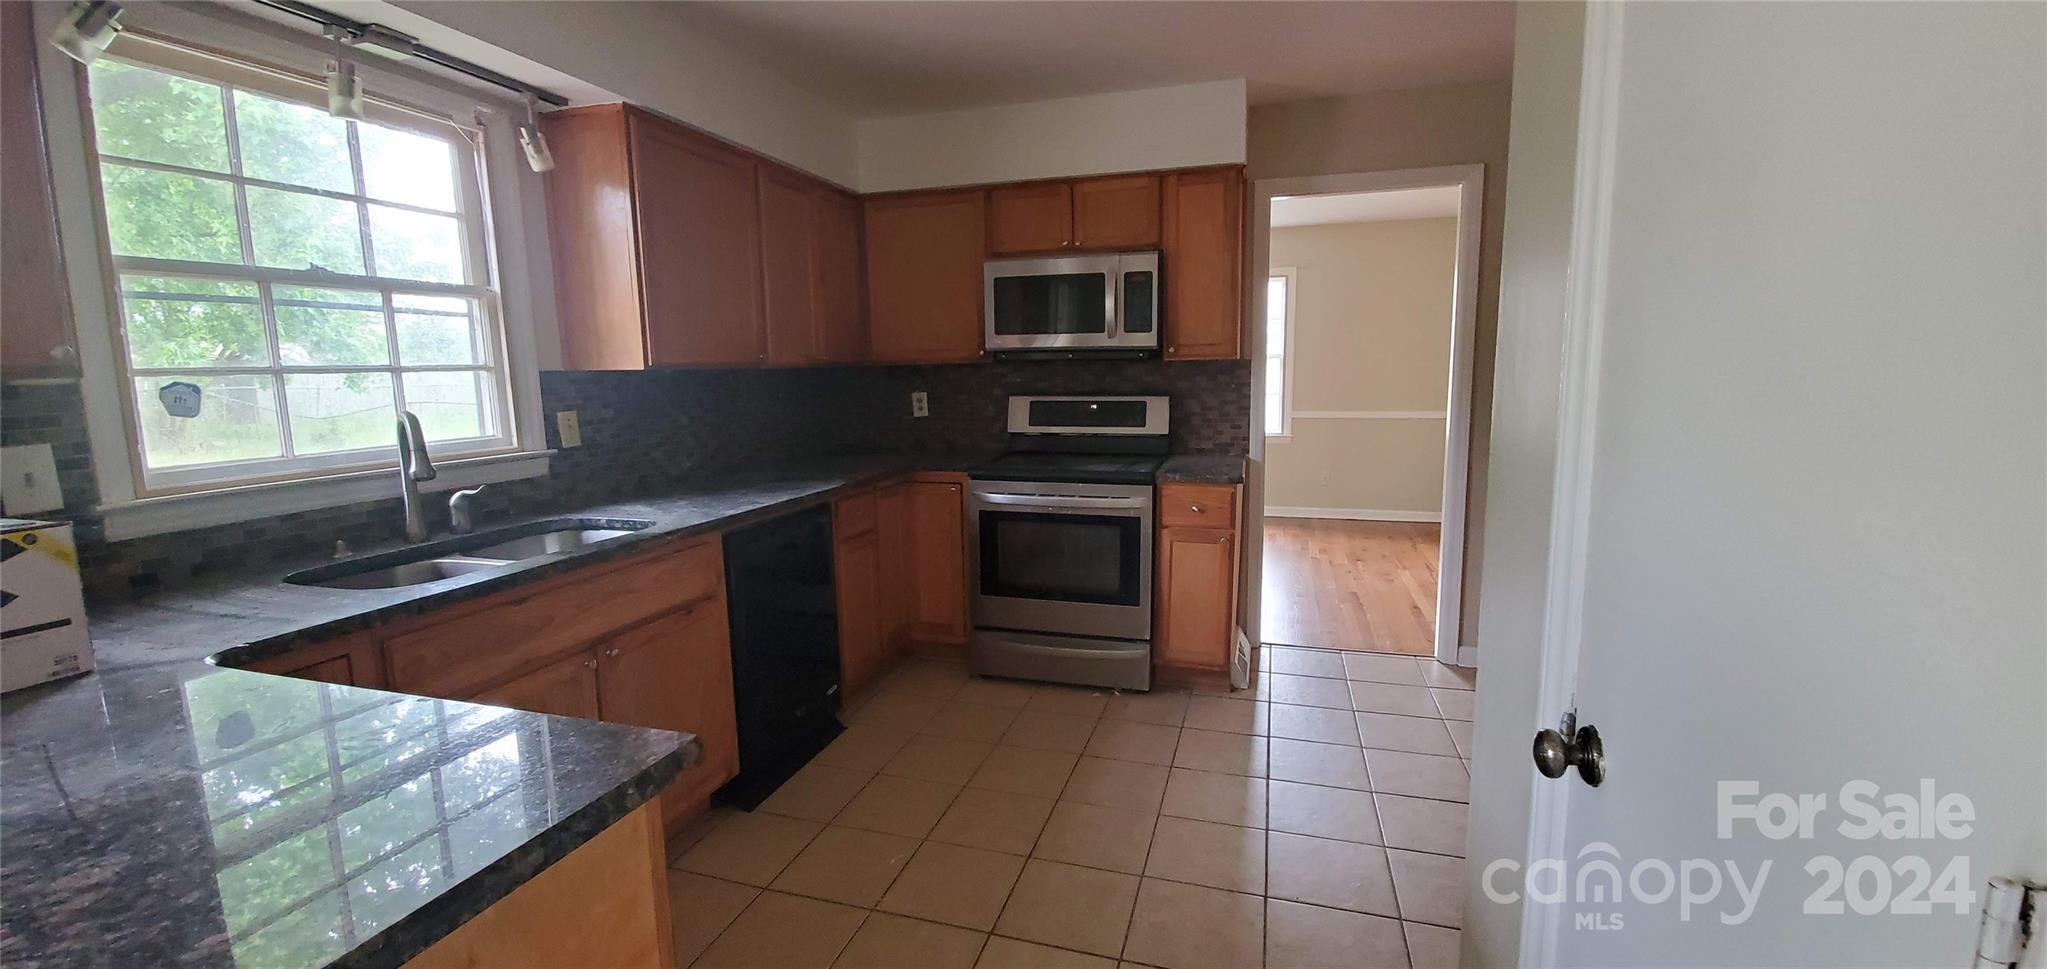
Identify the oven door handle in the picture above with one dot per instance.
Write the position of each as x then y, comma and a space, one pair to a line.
1060, 501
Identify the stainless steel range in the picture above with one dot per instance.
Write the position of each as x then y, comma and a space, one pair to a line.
1059, 542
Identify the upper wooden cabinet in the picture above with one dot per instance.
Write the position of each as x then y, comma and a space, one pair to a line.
1203, 248
841, 291
1113, 212
924, 255
810, 271
699, 228
36, 304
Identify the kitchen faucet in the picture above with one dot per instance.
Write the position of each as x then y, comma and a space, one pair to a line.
414, 466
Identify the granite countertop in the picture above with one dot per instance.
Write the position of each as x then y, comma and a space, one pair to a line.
1203, 469
169, 810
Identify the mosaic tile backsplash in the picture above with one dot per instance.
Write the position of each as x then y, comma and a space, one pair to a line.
643, 431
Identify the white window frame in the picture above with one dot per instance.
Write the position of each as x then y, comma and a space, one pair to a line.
1286, 368
509, 202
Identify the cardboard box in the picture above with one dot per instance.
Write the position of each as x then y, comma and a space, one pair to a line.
42, 609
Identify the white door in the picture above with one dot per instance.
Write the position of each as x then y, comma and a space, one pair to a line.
1796, 551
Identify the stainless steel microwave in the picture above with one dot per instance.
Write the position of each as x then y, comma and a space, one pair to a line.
1107, 301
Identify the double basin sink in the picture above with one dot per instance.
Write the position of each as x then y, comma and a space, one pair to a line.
464, 554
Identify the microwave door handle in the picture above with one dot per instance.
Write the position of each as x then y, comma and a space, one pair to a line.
1112, 303
1059, 501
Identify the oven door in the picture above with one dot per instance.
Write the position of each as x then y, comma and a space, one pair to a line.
1059, 303
1061, 558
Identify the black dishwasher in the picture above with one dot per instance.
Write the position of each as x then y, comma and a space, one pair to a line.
785, 647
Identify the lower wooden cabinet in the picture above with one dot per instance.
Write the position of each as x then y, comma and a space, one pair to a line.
566, 687
348, 661
861, 648
675, 673
1196, 622
937, 554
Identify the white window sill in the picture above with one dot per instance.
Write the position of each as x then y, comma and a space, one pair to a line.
1278, 438
155, 516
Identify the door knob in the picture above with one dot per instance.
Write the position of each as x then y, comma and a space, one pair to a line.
1570, 745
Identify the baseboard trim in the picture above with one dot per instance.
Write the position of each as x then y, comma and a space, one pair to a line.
1352, 514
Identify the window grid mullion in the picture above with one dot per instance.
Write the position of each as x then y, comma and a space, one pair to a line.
267, 301
259, 182
234, 167
362, 207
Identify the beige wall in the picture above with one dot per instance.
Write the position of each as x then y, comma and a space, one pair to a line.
1371, 333
1380, 131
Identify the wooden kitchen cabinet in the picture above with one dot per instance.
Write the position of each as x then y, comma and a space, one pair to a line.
841, 278
36, 302
937, 553
857, 565
892, 537
810, 272
924, 253
1195, 627
1030, 218
349, 661
566, 687
675, 673
1113, 212
1202, 243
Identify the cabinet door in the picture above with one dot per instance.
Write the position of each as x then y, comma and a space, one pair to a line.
1204, 268
938, 603
892, 532
675, 673
1118, 212
788, 273
1030, 218
594, 241
36, 303
566, 687
859, 582
1197, 572
924, 257
699, 247
841, 304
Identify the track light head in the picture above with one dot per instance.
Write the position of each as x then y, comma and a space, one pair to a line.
534, 140
344, 90
87, 29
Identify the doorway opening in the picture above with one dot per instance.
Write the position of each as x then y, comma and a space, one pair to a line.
1367, 311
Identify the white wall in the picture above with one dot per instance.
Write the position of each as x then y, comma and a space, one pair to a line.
1169, 127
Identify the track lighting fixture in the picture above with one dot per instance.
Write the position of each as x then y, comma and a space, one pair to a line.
533, 139
87, 29
344, 85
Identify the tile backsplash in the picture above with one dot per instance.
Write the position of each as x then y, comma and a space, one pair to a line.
642, 431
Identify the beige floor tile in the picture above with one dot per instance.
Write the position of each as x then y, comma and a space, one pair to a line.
961, 720
1422, 825
997, 693
939, 760
1307, 691
1178, 926
1069, 907
1455, 704
1093, 836
1116, 783
1207, 853
1431, 946
1208, 796
898, 805
1449, 677
1382, 669
1304, 662
1167, 707
994, 820
1418, 735
1145, 743
1460, 734
941, 680
1325, 812
1067, 700
1319, 724
1430, 887
1224, 753
1332, 765
893, 942
955, 885
1065, 733
864, 747
1338, 874
750, 848
817, 792
1228, 714
1407, 701
761, 937
1418, 775
897, 708
1305, 937
1002, 953
847, 865
700, 907
1021, 770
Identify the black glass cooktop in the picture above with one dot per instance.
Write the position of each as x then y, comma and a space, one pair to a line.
1077, 468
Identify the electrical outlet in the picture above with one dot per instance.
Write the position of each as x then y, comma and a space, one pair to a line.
920, 404
570, 429
28, 480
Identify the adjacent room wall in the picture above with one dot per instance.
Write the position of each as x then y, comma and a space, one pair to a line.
1169, 127
1381, 131
1371, 335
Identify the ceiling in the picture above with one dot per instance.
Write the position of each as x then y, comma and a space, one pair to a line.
1388, 206
878, 58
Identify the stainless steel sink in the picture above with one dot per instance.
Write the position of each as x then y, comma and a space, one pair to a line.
465, 554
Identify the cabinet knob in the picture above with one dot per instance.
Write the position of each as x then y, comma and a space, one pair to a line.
1194, 508
612, 652
591, 663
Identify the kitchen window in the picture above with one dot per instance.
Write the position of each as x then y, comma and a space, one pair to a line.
1279, 371
285, 281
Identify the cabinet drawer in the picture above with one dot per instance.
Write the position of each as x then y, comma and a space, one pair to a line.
457, 657
1198, 505
853, 515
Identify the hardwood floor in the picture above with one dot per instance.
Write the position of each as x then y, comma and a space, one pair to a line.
1351, 584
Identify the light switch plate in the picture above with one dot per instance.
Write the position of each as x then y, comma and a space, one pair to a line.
28, 480
920, 404
571, 429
